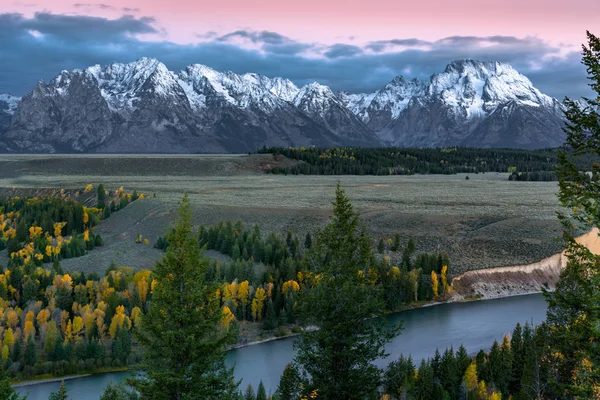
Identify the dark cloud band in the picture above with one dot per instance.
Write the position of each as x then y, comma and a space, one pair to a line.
41, 46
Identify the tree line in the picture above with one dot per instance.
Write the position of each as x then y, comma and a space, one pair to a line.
537, 165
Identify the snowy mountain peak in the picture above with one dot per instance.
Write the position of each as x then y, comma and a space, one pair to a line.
9, 103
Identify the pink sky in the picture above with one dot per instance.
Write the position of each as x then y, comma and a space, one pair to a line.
337, 21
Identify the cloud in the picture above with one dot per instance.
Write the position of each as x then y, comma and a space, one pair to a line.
94, 5
40, 46
342, 50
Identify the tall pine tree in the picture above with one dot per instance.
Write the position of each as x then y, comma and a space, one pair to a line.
181, 337
337, 358
574, 308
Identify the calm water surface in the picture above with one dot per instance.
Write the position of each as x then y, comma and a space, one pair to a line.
474, 324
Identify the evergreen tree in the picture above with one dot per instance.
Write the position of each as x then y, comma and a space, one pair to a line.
380, 246
574, 307
396, 243
6, 390
308, 241
184, 347
61, 394
261, 393
118, 392
101, 196
16, 351
516, 345
249, 393
289, 384
337, 358
30, 356
425, 382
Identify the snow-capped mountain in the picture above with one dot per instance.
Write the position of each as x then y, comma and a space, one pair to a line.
471, 103
144, 107
322, 105
8, 105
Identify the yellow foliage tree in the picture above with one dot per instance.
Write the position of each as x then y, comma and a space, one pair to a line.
29, 330
42, 318
12, 319
9, 337
290, 285
445, 278
482, 393
35, 231
470, 378
228, 317
5, 353
89, 188
77, 325
258, 304
119, 321
58, 227
495, 396
434, 283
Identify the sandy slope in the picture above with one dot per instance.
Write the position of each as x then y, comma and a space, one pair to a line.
519, 279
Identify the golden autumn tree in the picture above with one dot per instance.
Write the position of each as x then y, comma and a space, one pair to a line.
434, 283
258, 304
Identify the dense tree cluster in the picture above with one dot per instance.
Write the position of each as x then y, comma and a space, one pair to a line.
66, 323
41, 230
406, 161
520, 367
261, 281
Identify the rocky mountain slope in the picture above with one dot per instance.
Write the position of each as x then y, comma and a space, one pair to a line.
144, 107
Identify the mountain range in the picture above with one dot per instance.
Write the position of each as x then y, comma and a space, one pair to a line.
144, 107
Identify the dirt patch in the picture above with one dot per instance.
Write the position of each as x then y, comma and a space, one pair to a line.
520, 279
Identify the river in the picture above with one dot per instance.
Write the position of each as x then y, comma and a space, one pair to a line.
474, 324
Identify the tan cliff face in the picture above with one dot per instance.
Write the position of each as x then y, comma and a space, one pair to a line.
519, 279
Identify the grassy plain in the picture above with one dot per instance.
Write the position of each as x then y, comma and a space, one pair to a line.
481, 222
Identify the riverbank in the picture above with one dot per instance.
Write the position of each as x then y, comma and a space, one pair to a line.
500, 282
43, 379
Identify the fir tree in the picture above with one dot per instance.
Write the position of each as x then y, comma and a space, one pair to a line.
61, 394
6, 390
181, 338
249, 393
30, 356
289, 384
574, 307
261, 393
337, 358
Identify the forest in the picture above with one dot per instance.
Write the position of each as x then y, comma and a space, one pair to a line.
523, 165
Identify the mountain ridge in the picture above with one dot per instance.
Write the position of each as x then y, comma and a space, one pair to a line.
142, 106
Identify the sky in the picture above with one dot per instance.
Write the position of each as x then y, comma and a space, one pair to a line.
351, 45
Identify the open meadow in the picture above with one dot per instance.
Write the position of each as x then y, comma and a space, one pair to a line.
480, 222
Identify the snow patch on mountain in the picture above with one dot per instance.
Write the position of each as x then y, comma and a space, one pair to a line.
9, 103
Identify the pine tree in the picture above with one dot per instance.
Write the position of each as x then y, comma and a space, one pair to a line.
289, 384
308, 241
261, 393
425, 382
180, 335
101, 196
118, 392
249, 393
380, 246
61, 394
574, 307
337, 359
6, 390
30, 356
